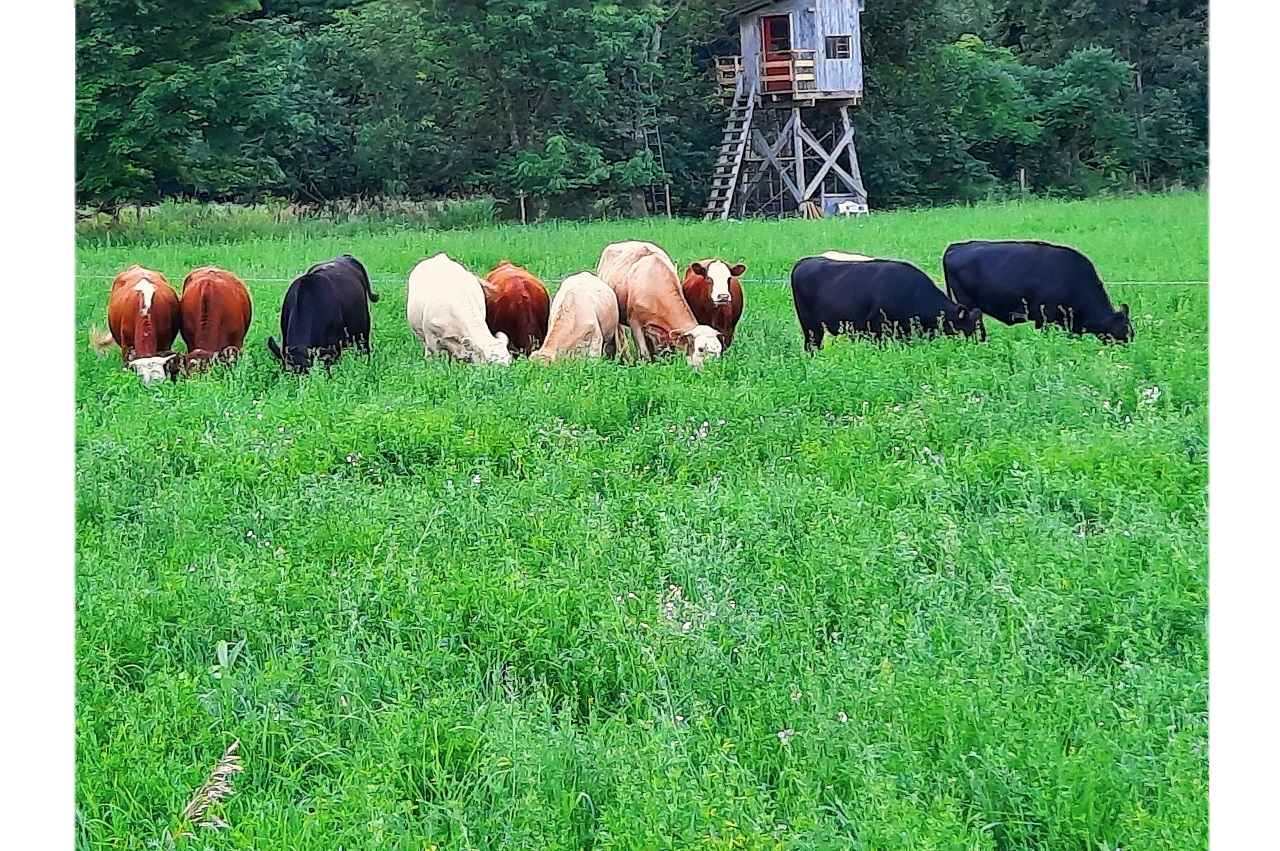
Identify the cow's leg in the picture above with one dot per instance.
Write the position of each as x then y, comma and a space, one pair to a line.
810, 327
642, 346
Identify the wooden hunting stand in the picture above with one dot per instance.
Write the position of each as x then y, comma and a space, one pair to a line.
789, 94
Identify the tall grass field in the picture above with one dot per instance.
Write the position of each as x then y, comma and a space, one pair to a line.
930, 595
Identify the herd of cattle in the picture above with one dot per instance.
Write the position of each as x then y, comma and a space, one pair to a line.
636, 286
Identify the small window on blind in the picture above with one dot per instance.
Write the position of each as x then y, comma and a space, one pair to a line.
839, 47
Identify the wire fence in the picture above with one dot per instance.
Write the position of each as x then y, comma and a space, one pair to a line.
560, 278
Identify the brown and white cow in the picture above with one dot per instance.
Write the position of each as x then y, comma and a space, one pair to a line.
652, 305
144, 318
516, 303
584, 321
216, 312
714, 294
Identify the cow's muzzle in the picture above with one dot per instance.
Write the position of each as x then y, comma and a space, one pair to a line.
722, 299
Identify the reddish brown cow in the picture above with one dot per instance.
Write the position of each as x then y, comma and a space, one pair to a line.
714, 294
144, 317
216, 311
516, 303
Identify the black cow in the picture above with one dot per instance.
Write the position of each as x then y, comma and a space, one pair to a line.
1047, 284
325, 311
876, 297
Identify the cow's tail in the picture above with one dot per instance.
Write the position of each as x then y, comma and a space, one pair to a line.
368, 285
100, 341
145, 334
620, 343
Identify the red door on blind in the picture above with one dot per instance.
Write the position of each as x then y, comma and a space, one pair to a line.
776, 41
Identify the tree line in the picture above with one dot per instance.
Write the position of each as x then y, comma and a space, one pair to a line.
322, 100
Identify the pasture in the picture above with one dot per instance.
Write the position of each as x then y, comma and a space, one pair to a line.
937, 595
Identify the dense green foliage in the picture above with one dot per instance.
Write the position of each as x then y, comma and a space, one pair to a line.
945, 595
329, 99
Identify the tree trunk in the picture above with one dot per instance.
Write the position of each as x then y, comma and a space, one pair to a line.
639, 208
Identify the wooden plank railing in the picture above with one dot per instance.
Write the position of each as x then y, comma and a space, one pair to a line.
793, 72
728, 69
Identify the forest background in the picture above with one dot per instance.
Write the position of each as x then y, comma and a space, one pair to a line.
325, 103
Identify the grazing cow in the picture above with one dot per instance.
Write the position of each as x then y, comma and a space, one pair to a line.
144, 318
517, 304
325, 311
714, 294
875, 297
584, 321
446, 310
1047, 284
216, 311
651, 303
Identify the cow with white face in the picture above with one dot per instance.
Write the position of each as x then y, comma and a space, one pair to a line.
446, 310
652, 305
714, 293
157, 367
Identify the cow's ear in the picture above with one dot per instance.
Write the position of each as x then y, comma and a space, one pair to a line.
699, 269
736, 271
961, 312
1124, 308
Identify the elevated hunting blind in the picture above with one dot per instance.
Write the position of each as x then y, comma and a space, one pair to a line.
788, 139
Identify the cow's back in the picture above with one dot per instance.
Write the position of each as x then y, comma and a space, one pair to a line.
618, 268
517, 304
143, 313
584, 313
444, 298
1011, 279
865, 291
216, 310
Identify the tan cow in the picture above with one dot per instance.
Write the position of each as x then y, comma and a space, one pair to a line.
584, 321
652, 305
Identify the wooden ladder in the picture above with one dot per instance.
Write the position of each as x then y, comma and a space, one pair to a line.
733, 147
651, 138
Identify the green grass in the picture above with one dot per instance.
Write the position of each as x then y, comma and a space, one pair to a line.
943, 595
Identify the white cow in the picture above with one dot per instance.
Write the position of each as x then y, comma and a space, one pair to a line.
840, 255
651, 302
446, 311
584, 321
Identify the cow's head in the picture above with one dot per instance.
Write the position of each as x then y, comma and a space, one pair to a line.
157, 368
199, 360
968, 321
698, 343
494, 350
718, 274
297, 359
1121, 328
1113, 327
